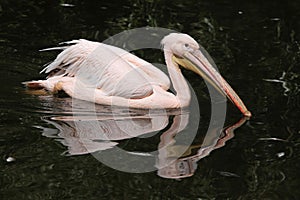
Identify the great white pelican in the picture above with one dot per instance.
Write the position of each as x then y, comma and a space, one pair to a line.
108, 75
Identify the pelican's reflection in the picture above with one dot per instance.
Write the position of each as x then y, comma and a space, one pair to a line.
185, 164
84, 133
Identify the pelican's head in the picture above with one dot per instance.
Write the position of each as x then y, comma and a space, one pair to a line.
186, 52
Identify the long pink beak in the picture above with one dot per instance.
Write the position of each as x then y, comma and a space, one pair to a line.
208, 72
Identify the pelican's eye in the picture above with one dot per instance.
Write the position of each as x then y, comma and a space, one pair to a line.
188, 47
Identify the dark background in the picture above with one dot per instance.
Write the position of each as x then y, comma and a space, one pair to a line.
250, 41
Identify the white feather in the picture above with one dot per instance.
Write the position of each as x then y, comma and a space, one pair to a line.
114, 71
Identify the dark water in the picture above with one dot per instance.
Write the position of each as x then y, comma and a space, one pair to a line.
255, 45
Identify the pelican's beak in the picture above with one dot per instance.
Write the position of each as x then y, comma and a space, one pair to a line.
198, 63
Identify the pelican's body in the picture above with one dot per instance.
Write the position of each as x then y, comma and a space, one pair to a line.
109, 75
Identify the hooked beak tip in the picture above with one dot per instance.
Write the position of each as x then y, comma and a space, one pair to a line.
247, 114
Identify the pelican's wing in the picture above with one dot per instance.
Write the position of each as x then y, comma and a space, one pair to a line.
114, 71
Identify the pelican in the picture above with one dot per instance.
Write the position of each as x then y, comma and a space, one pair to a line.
108, 75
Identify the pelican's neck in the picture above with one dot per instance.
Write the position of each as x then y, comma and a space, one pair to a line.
179, 83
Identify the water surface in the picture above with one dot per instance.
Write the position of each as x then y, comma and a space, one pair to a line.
255, 45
